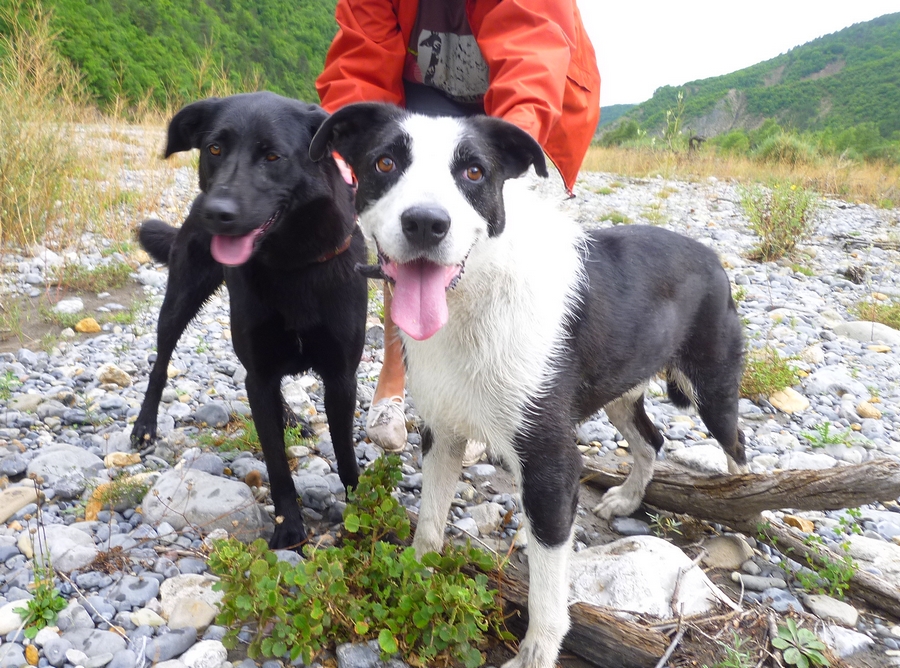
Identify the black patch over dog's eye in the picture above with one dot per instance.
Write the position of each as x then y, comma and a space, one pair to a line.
474, 173
385, 164
215, 149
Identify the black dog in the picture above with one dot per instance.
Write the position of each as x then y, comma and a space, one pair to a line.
279, 229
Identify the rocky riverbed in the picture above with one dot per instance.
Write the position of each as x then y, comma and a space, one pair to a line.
135, 573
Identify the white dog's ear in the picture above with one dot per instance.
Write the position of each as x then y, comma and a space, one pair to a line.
516, 149
345, 128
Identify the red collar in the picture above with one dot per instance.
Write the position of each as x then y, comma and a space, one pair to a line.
337, 251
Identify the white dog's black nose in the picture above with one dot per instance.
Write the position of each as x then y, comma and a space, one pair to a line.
425, 226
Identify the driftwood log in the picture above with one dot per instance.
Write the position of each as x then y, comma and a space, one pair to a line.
597, 636
737, 500
867, 586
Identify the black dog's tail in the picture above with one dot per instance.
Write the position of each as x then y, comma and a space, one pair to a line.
157, 238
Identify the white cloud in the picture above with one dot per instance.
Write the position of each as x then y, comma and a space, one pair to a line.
644, 45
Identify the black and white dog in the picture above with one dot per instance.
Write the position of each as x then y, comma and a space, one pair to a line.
517, 325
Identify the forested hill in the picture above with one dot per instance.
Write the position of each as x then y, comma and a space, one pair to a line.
841, 80
172, 51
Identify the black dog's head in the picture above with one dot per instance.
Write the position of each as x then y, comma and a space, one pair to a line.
429, 190
255, 171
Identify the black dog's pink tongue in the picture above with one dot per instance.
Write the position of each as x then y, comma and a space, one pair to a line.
419, 304
232, 251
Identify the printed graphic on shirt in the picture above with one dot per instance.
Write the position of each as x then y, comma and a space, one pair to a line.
443, 52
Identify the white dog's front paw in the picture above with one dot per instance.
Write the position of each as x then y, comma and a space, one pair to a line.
617, 502
531, 656
736, 469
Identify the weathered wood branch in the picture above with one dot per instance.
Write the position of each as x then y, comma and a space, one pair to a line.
866, 586
596, 635
737, 500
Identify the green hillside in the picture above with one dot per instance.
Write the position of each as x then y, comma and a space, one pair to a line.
843, 80
170, 51
613, 112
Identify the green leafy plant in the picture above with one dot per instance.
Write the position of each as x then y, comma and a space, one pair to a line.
823, 436
826, 575
46, 604
663, 525
800, 647
243, 437
735, 655
365, 588
781, 215
8, 382
766, 371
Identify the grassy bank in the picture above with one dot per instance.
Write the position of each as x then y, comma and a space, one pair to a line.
871, 182
64, 167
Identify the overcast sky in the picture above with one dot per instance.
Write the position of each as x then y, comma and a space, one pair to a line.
644, 45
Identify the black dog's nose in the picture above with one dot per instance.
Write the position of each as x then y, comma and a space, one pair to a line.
425, 226
221, 211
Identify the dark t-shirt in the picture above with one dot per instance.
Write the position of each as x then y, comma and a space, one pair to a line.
443, 53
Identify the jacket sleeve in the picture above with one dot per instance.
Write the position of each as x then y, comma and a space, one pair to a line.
527, 45
365, 60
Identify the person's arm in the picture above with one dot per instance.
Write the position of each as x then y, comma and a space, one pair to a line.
527, 45
365, 60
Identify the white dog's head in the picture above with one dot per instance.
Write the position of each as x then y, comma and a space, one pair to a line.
429, 190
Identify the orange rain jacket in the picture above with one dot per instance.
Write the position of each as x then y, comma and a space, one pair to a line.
542, 68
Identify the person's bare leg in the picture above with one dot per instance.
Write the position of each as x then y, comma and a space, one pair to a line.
386, 422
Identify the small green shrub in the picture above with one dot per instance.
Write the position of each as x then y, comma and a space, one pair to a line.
827, 575
243, 437
887, 313
782, 216
735, 655
787, 149
823, 436
616, 218
766, 372
100, 279
800, 647
366, 588
43, 609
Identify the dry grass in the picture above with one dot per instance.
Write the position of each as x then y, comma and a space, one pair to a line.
65, 168
874, 183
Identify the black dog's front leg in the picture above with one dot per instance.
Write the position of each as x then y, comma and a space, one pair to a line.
193, 277
266, 403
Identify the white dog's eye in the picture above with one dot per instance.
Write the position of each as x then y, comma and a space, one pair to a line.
474, 173
385, 164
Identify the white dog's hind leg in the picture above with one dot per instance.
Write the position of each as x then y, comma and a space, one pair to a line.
441, 467
625, 499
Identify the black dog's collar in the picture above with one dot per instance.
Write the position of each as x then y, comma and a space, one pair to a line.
337, 251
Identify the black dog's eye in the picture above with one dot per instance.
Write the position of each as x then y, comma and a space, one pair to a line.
215, 149
385, 164
474, 173
272, 157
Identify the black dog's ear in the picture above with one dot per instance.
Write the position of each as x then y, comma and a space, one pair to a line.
342, 129
314, 116
186, 127
516, 149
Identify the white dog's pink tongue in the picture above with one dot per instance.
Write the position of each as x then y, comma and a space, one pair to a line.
419, 304
232, 251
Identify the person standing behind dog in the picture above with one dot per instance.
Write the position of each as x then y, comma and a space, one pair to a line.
529, 62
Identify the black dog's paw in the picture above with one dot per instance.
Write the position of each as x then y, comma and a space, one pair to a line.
288, 536
143, 434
